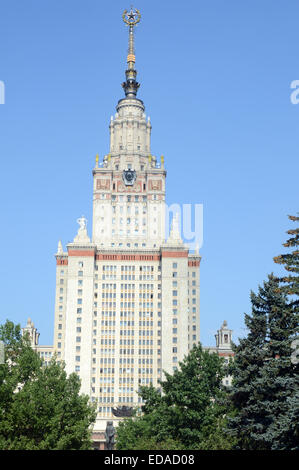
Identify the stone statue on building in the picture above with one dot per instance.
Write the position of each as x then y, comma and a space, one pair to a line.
82, 236
109, 435
82, 223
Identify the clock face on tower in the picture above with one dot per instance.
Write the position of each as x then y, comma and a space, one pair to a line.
129, 177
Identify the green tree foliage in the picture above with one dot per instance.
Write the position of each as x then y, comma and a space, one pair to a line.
265, 387
265, 390
290, 261
286, 429
40, 407
188, 414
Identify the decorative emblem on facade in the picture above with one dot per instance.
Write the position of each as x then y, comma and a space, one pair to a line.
155, 185
103, 184
122, 411
129, 177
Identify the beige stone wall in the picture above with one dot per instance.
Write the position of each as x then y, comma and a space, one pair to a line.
174, 309
194, 300
61, 292
78, 324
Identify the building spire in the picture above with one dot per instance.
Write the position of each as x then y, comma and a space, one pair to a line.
131, 86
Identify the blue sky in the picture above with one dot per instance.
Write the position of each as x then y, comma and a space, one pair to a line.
215, 79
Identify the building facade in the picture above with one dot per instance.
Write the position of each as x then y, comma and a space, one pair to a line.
223, 348
127, 297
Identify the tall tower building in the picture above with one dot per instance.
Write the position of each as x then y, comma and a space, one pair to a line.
127, 299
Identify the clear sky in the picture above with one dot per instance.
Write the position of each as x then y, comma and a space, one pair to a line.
215, 79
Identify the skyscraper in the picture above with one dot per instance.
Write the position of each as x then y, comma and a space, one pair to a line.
127, 299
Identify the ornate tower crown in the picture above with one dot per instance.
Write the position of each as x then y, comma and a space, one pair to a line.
131, 18
130, 85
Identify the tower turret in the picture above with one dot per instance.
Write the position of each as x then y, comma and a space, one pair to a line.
32, 333
129, 184
224, 337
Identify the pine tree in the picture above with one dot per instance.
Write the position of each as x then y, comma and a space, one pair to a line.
265, 385
247, 392
285, 327
290, 261
280, 373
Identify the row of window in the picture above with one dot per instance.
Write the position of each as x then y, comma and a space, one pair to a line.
127, 209
130, 268
129, 198
130, 221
